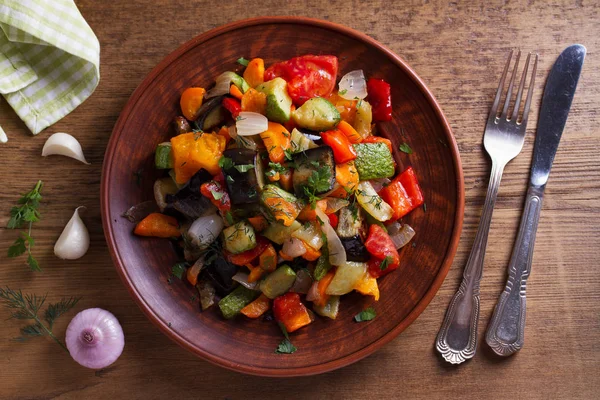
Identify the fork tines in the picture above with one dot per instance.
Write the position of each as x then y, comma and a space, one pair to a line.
517, 105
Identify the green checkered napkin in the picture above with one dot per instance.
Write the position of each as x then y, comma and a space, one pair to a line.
49, 60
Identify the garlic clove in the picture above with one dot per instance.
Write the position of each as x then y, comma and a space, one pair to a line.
74, 241
65, 145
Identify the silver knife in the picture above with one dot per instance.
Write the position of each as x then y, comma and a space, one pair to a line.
505, 334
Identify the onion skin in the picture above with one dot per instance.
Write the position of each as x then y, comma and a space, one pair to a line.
95, 338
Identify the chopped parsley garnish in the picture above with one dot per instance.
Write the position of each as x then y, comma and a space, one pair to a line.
244, 167
405, 148
229, 217
179, 269
365, 315
343, 92
217, 195
277, 167
385, 263
288, 154
286, 346
243, 61
225, 162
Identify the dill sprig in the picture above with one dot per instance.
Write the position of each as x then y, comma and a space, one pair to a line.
25, 212
28, 306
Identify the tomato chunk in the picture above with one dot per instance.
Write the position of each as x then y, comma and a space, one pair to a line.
307, 76
385, 257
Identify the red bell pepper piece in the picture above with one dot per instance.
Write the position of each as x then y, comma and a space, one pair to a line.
379, 139
403, 194
249, 255
380, 97
381, 247
343, 151
233, 106
289, 310
217, 195
408, 179
333, 220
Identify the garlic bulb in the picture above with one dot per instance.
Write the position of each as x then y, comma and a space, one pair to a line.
74, 241
65, 145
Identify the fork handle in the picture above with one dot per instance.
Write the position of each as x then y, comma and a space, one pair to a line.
506, 331
457, 338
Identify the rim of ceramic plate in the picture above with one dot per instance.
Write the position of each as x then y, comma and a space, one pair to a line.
147, 308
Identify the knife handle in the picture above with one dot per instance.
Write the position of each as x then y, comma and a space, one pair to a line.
506, 331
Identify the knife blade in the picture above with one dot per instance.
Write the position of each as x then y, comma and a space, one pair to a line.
556, 103
506, 331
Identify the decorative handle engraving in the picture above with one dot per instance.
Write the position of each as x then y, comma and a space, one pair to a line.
506, 331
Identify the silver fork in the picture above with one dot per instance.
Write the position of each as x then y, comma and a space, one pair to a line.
503, 140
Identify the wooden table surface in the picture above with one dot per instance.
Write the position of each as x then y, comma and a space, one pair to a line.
459, 51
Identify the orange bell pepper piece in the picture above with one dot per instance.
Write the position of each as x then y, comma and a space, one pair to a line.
190, 102
283, 211
254, 101
289, 310
322, 297
257, 308
194, 151
255, 273
368, 286
311, 253
268, 259
285, 256
235, 92
346, 108
285, 180
346, 175
308, 214
277, 140
350, 132
193, 272
259, 223
225, 133
158, 225
254, 73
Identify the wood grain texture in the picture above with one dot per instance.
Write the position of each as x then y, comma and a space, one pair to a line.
458, 49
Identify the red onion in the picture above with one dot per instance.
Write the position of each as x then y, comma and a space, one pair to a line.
293, 247
302, 283
95, 338
400, 234
379, 184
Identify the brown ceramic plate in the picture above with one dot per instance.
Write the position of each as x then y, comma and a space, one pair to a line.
248, 345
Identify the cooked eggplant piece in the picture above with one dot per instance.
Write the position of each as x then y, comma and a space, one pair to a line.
188, 200
181, 125
243, 175
350, 229
220, 272
318, 161
206, 109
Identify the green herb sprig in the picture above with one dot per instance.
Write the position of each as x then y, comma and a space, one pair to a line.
26, 212
286, 346
27, 307
365, 315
